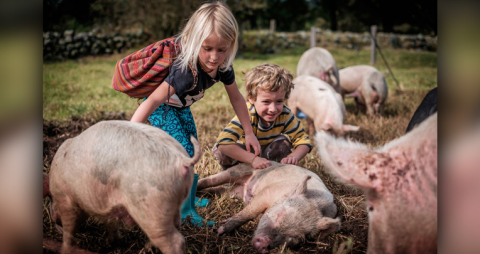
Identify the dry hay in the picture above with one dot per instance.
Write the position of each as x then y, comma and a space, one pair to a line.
353, 235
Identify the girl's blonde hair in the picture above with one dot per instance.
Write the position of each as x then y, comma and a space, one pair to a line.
268, 77
213, 17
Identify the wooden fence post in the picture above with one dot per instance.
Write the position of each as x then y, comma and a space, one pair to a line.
373, 31
272, 26
313, 37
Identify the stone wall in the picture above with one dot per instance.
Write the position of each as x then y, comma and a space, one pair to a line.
266, 42
71, 45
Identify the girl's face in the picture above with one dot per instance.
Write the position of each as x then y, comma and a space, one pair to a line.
213, 52
269, 105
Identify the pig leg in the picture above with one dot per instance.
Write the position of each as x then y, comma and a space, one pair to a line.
237, 191
169, 241
361, 107
177, 220
235, 174
257, 205
368, 95
69, 216
378, 108
113, 232
219, 190
311, 126
159, 226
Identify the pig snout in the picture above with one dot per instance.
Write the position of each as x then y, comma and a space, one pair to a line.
262, 243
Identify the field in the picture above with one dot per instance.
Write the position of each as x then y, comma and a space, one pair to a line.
77, 94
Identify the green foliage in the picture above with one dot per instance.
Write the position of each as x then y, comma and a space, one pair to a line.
163, 18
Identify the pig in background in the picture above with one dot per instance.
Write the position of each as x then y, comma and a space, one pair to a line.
323, 107
319, 63
367, 85
120, 170
294, 201
400, 182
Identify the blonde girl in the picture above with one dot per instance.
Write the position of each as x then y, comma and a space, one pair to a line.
208, 45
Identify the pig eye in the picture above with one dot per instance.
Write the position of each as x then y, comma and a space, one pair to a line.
321, 89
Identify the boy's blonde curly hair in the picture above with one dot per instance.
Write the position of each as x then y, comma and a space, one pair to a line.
268, 77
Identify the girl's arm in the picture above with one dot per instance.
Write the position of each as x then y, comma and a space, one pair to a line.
157, 98
240, 108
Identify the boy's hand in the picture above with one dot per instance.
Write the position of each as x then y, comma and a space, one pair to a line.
251, 140
289, 160
259, 162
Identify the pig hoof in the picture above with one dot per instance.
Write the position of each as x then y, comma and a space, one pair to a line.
261, 244
221, 230
148, 247
59, 229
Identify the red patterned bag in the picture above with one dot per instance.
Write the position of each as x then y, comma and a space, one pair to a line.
140, 73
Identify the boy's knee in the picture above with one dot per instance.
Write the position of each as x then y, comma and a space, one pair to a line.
222, 159
278, 149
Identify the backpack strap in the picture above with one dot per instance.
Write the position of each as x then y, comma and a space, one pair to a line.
195, 78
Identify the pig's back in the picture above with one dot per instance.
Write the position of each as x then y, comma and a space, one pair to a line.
115, 158
352, 77
288, 176
314, 61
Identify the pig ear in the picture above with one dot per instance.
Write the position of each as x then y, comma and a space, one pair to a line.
347, 127
346, 160
301, 188
279, 215
327, 225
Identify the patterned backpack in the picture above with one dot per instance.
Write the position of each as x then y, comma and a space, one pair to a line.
141, 72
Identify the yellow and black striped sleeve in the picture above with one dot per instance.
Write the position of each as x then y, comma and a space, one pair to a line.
231, 133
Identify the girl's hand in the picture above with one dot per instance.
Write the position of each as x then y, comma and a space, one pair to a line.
261, 163
251, 140
289, 160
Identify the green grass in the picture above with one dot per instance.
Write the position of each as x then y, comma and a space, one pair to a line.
83, 87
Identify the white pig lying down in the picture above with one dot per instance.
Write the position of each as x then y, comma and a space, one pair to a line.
367, 85
120, 170
294, 201
323, 107
400, 182
319, 63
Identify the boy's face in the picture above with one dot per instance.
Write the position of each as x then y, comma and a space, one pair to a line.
269, 105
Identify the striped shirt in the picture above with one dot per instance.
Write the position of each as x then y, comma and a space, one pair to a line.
286, 123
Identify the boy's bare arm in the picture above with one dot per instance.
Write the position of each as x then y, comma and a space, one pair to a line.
296, 155
235, 152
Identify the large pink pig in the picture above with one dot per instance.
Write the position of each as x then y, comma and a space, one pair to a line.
367, 85
294, 201
319, 63
400, 181
323, 107
123, 170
